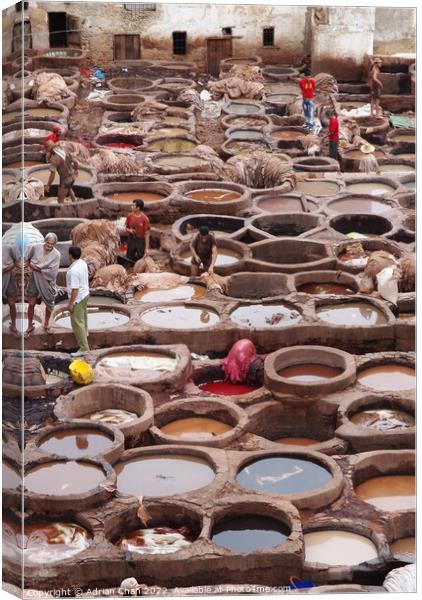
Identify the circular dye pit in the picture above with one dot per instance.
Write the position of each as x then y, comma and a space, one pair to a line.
309, 373
283, 475
336, 547
44, 542
240, 108
396, 168
406, 155
180, 317
296, 441
63, 478
198, 427
246, 122
245, 134
226, 388
263, 316
95, 299
135, 195
168, 131
181, 162
180, 292
352, 314
288, 134
358, 155
404, 137
31, 112
172, 144
246, 533
11, 479
25, 163
359, 205
43, 174
21, 320
390, 492
98, 318
388, 377
135, 363
76, 443
325, 289
405, 546
213, 195
159, 540
373, 188
383, 419
317, 187
112, 416
163, 476
281, 204
225, 256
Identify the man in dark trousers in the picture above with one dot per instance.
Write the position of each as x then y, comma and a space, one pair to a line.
138, 227
333, 135
204, 251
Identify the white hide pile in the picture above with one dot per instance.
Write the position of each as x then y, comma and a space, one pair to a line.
261, 170
29, 189
111, 277
402, 579
49, 87
121, 163
99, 242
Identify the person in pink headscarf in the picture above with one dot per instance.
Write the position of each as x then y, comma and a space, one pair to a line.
242, 364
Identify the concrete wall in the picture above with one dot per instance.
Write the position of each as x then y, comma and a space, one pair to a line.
395, 30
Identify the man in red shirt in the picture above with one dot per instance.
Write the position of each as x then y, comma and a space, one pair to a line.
333, 135
307, 86
138, 227
54, 137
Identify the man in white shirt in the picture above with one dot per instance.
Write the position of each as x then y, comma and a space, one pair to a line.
77, 284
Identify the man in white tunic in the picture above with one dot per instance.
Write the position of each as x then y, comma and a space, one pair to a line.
77, 284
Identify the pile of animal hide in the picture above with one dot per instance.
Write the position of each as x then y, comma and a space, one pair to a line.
99, 242
156, 281
245, 72
206, 152
191, 96
145, 265
407, 281
236, 87
402, 579
288, 121
312, 144
215, 283
107, 161
402, 271
49, 87
77, 151
7, 94
261, 170
111, 277
123, 129
147, 108
326, 89
29, 189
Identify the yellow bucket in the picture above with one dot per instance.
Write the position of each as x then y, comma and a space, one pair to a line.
81, 372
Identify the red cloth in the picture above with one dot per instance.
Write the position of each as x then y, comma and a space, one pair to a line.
333, 130
140, 223
308, 88
53, 137
236, 363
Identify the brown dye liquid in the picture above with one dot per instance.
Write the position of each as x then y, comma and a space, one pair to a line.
317, 188
180, 317
275, 205
63, 478
405, 315
372, 188
246, 122
97, 319
246, 134
44, 174
309, 373
26, 163
283, 475
262, 316
288, 135
168, 131
114, 416
406, 545
171, 145
181, 162
44, 542
213, 195
325, 289
335, 547
280, 98
10, 477
243, 109
390, 492
162, 475
76, 443
352, 314
405, 137
139, 195
180, 292
357, 154
202, 428
159, 540
31, 112
395, 168
136, 361
383, 419
246, 533
225, 256
296, 441
388, 377
358, 205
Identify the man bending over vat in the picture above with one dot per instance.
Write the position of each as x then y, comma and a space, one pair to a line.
11, 259
44, 261
138, 227
66, 167
204, 252
77, 285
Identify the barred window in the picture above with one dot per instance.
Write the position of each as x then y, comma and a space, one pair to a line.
139, 7
179, 42
227, 31
268, 36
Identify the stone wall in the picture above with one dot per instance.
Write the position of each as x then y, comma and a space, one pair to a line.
395, 30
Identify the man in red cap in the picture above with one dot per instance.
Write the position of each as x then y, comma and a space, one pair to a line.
54, 137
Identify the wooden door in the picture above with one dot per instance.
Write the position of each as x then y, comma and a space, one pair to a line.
218, 48
17, 36
73, 32
127, 47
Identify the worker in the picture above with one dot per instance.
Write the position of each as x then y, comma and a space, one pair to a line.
204, 252
11, 259
376, 86
54, 137
368, 163
138, 227
66, 167
333, 135
243, 364
307, 86
44, 261
77, 284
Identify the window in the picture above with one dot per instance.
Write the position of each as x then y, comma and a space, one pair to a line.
227, 31
19, 6
268, 36
179, 42
139, 7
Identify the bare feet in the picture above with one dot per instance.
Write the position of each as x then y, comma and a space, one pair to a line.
14, 330
47, 329
29, 331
